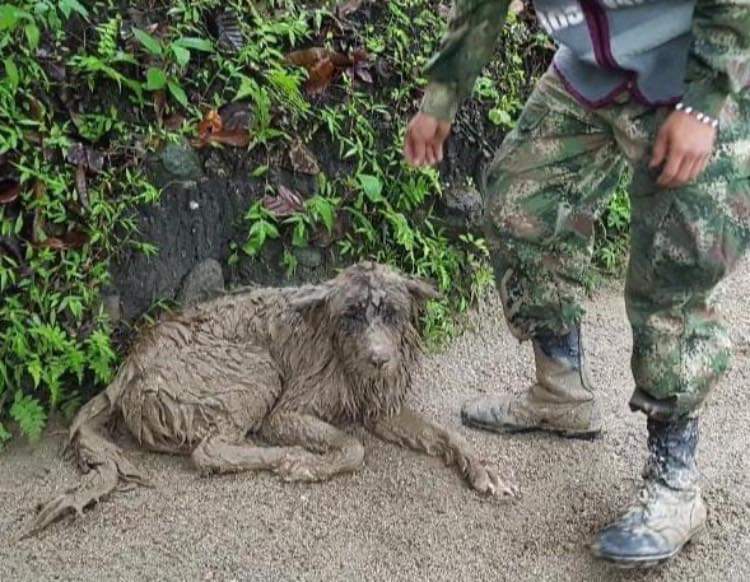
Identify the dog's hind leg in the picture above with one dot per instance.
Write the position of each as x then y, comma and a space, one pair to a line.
217, 455
333, 450
408, 429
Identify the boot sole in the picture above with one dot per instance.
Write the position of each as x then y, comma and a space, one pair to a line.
589, 435
643, 563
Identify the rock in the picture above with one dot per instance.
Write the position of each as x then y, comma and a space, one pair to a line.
309, 257
461, 211
181, 161
112, 307
204, 282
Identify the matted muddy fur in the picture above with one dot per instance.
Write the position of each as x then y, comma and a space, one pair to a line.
287, 366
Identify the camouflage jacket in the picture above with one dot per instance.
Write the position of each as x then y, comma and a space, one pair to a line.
718, 59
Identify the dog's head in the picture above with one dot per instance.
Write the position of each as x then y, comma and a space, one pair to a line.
370, 312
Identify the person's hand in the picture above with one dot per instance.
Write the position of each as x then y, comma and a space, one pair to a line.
425, 136
684, 145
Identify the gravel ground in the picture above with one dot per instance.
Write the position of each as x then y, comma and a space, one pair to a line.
405, 517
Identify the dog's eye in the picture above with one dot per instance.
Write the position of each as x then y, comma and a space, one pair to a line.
390, 315
355, 316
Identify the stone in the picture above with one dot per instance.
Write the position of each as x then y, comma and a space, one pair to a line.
181, 161
461, 210
112, 307
309, 257
205, 281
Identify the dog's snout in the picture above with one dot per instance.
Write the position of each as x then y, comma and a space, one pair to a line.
379, 357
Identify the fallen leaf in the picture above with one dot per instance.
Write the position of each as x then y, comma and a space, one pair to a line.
10, 189
78, 154
320, 76
238, 139
160, 104
73, 239
228, 31
236, 116
286, 202
308, 57
211, 130
210, 124
323, 65
302, 159
82, 186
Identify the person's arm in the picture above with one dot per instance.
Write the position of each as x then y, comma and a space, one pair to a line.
473, 31
719, 67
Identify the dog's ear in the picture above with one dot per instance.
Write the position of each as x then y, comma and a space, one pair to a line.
312, 302
421, 290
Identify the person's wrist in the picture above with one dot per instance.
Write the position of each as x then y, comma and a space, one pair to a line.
697, 115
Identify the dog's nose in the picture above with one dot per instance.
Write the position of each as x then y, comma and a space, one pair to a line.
379, 358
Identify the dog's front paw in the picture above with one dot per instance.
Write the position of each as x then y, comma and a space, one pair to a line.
485, 480
297, 468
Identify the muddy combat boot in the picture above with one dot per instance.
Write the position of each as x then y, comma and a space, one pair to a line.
562, 400
669, 511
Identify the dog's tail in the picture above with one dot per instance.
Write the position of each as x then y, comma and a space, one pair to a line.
101, 460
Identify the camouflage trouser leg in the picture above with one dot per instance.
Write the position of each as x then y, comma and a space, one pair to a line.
549, 182
551, 178
683, 243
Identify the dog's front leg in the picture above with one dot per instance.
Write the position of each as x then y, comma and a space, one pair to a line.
409, 429
333, 450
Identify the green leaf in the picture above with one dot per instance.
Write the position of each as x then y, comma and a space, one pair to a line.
500, 117
259, 171
34, 368
29, 415
4, 434
4, 379
372, 187
156, 79
181, 55
248, 88
9, 16
323, 210
178, 93
149, 42
70, 6
299, 234
11, 72
32, 35
195, 43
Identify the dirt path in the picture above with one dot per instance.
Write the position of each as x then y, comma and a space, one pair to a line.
405, 517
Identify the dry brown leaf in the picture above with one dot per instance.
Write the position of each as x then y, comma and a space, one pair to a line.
286, 202
211, 130
10, 190
307, 58
320, 76
210, 124
323, 65
90, 159
82, 186
236, 138
160, 105
74, 239
302, 159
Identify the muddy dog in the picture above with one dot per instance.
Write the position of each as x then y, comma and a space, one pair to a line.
289, 366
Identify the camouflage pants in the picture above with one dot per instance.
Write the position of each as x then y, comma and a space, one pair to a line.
551, 179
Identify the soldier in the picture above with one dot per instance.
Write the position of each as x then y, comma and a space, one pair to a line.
658, 84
